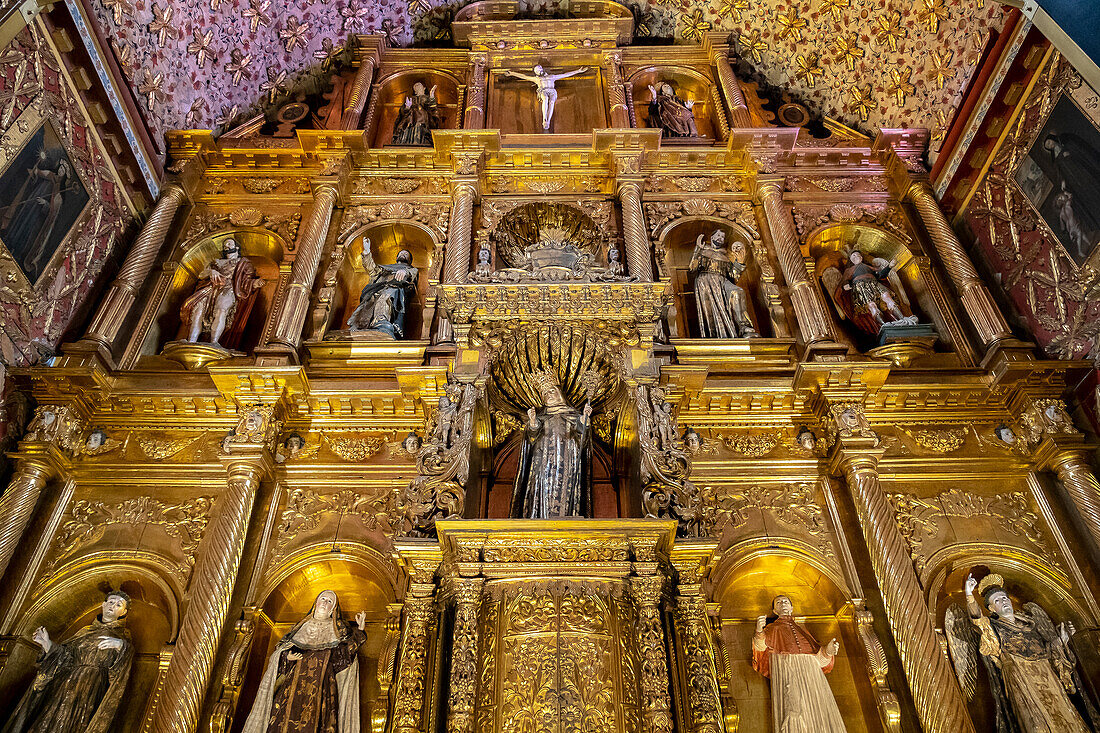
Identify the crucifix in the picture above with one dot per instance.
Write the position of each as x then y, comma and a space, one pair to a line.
544, 88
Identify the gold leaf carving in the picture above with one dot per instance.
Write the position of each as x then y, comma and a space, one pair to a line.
260, 185
354, 447
246, 216
940, 441
161, 448
400, 185
306, 509
753, 445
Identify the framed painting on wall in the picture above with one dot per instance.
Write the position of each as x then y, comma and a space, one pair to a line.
41, 199
1060, 176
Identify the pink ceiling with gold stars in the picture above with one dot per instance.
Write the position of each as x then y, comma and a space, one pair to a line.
867, 63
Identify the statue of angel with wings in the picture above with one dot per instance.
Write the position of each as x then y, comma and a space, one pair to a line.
1030, 666
867, 295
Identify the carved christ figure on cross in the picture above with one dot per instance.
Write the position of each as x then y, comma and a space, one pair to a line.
544, 89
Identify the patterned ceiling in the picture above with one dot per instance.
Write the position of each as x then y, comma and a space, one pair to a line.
868, 63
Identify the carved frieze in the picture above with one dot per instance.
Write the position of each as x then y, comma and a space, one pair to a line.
695, 184
794, 505
306, 510
435, 216
889, 216
660, 213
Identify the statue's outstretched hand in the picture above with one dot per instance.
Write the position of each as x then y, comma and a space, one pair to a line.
531, 419
361, 620
970, 585
294, 656
832, 648
42, 638
761, 622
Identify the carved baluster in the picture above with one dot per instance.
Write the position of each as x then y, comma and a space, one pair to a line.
975, 297
124, 291
474, 118
460, 717
656, 705
939, 701
412, 672
809, 310
211, 590
638, 256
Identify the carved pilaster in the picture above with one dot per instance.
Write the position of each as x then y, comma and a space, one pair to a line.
976, 299
1068, 457
214, 578
371, 118
809, 310
460, 232
120, 298
704, 703
889, 709
460, 714
311, 241
936, 694
655, 704
639, 259
474, 118
412, 673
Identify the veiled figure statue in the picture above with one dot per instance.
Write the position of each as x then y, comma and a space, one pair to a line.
223, 299
1031, 669
553, 476
79, 683
417, 118
722, 304
802, 701
671, 113
384, 302
311, 683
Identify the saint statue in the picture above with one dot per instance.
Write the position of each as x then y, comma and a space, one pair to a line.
1030, 666
311, 684
417, 118
79, 683
868, 295
722, 304
544, 89
384, 302
670, 113
553, 476
784, 651
223, 298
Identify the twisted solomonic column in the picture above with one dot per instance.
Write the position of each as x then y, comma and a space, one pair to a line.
983, 311
460, 714
638, 257
616, 92
474, 117
731, 89
208, 602
116, 304
311, 240
18, 502
939, 701
809, 309
357, 97
1073, 470
656, 705
456, 265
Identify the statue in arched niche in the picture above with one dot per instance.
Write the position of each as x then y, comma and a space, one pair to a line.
417, 118
870, 295
79, 683
1031, 670
722, 304
671, 113
553, 476
785, 652
384, 302
223, 298
311, 683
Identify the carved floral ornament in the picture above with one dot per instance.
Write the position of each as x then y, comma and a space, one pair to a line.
206, 221
434, 216
889, 216
660, 214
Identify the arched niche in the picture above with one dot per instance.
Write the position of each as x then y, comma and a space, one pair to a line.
745, 586
830, 246
266, 251
387, 239
363, 581
689, 85
677, 241
72, 601
393, 89
1028, 578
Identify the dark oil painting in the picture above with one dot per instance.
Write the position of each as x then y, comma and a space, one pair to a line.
1061, 177
41, 198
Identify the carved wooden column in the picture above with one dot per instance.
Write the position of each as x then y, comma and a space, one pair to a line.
311, 241
460, 713
124, 291
655, 703
412, 672
357, 97
731, 88
456, 264
34, 467
939, 701
975, 297
809, 310
616, 91
474, 117
214, 577
639, 259
692, 624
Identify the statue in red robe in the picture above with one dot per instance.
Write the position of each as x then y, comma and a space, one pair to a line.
223, 299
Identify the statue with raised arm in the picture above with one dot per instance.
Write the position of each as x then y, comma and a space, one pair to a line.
311, 683
79, 683
722, 304
384, 302
671, 113
223, 298
553, 477
1031, 669
785, 652
544, 88
417, 119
